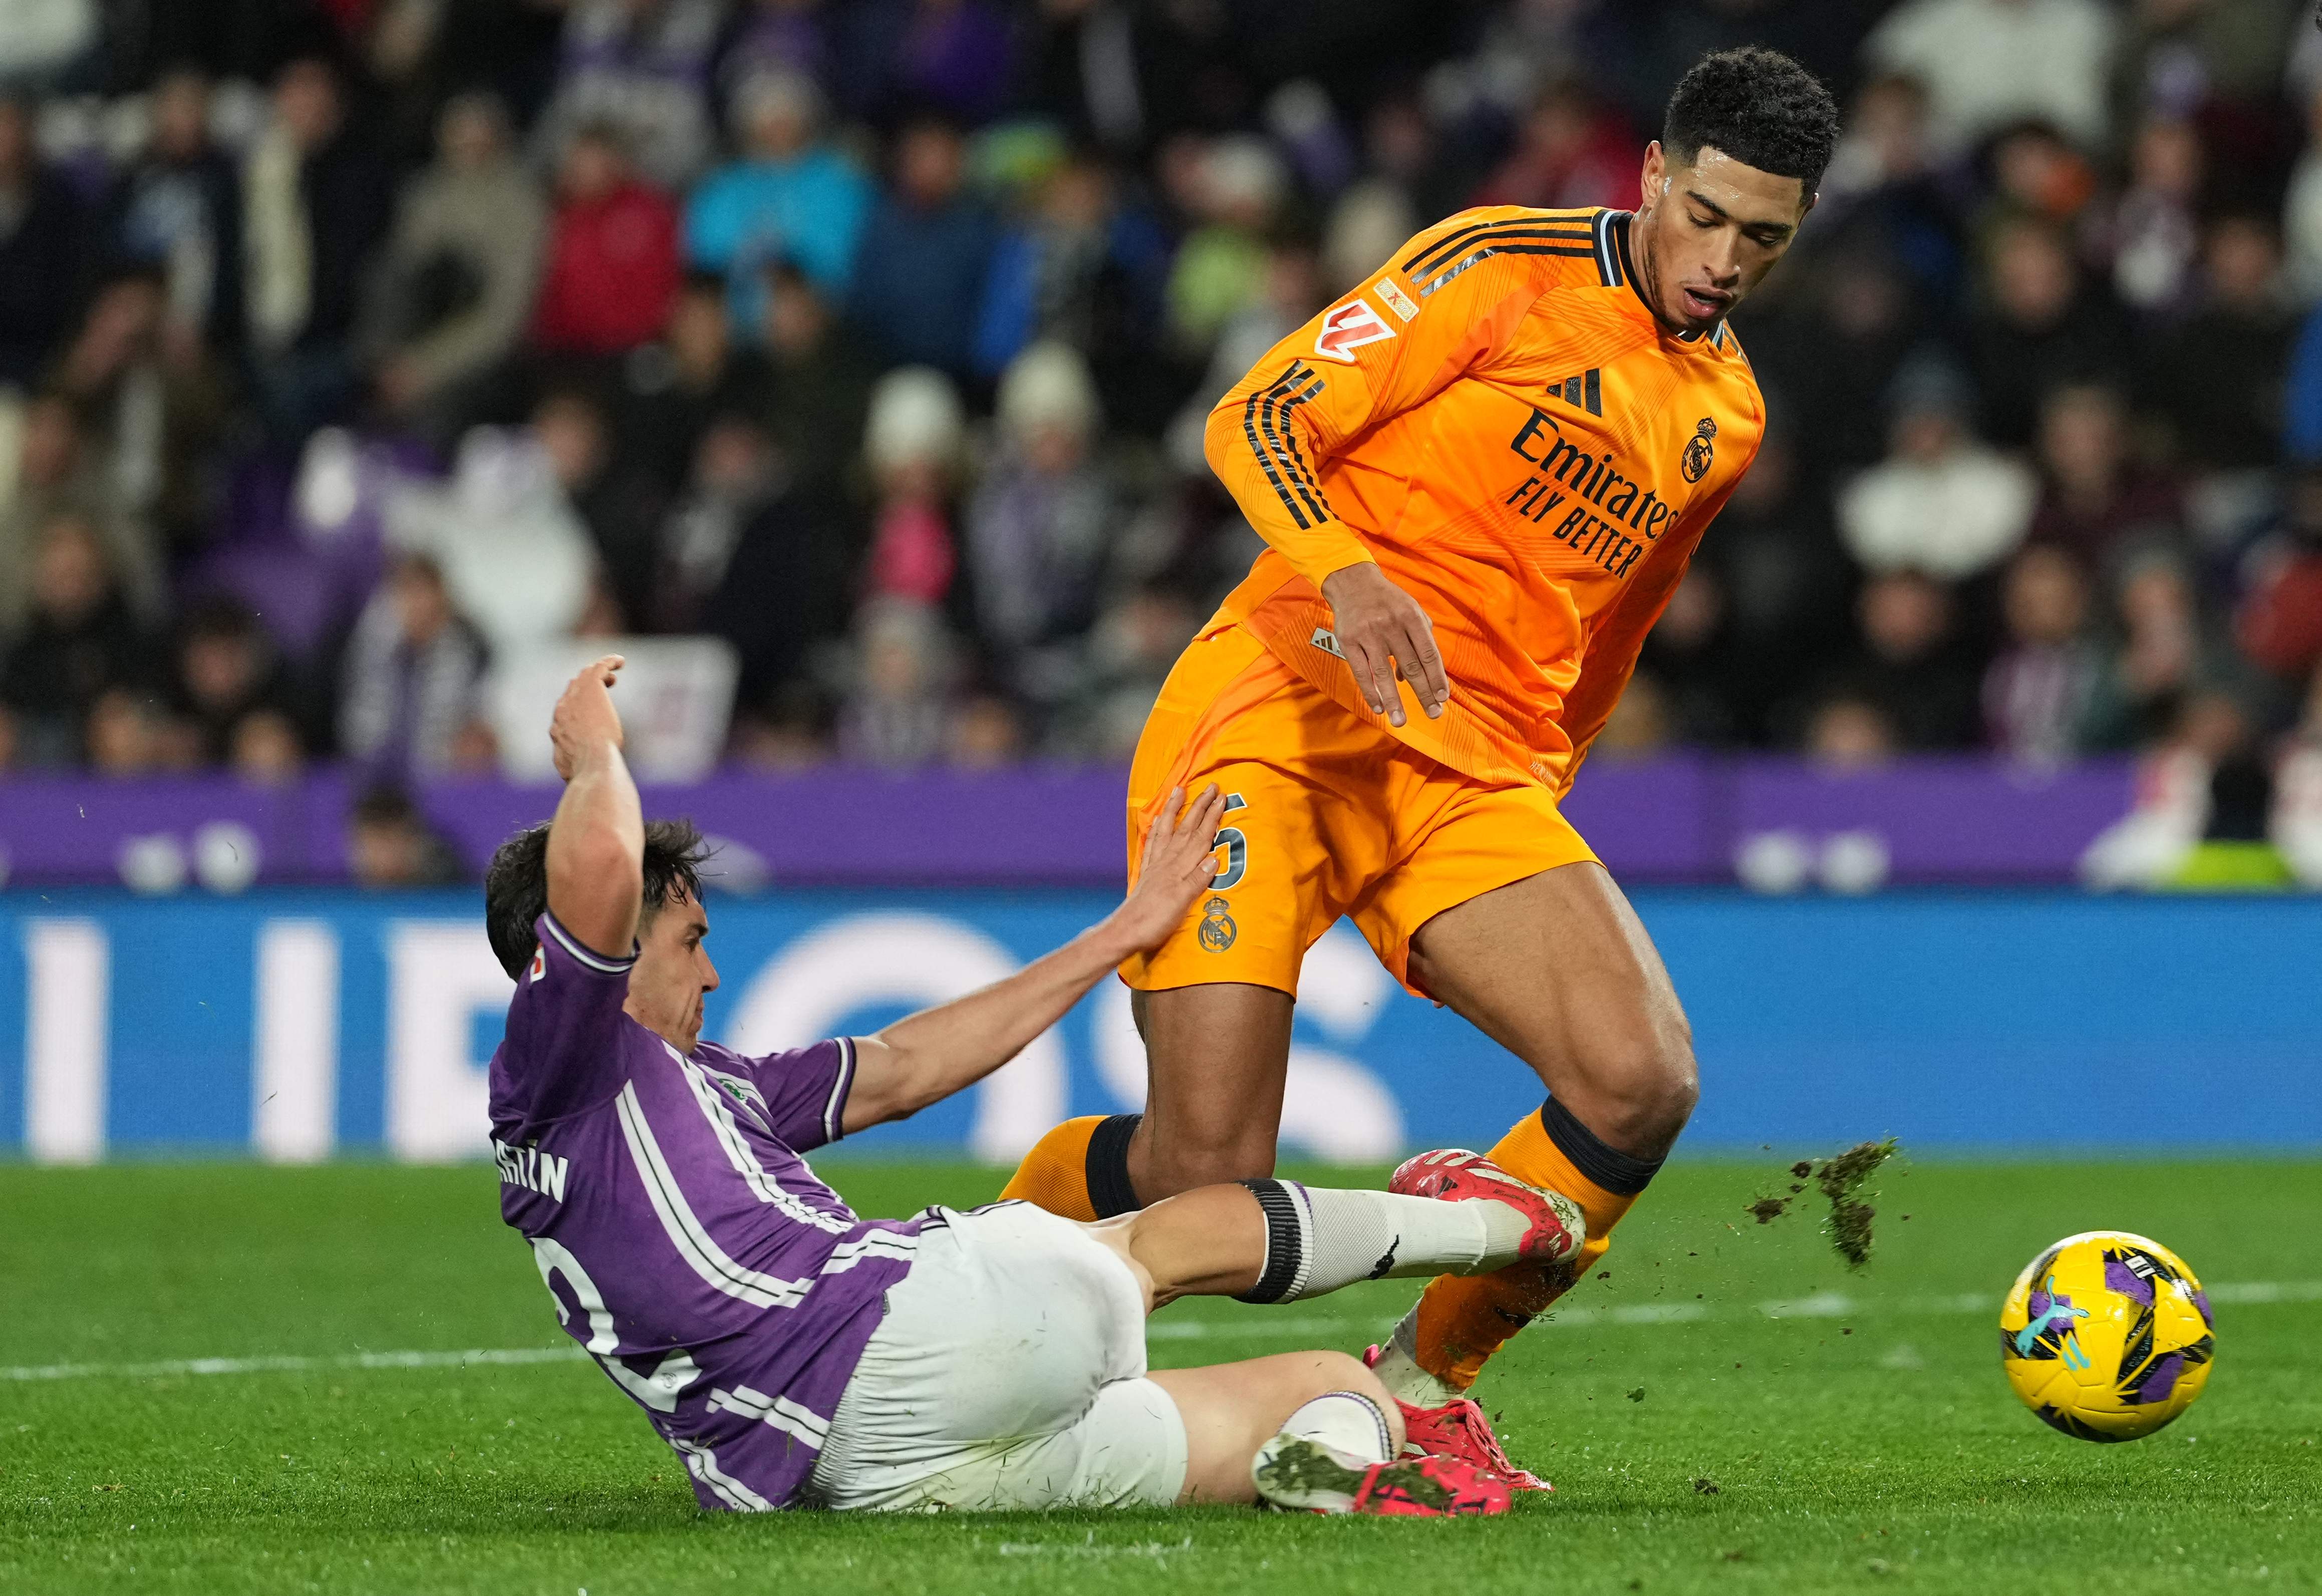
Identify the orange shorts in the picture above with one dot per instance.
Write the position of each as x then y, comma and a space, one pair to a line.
1327, 815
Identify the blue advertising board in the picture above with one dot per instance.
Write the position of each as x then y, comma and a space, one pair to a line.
294, 1023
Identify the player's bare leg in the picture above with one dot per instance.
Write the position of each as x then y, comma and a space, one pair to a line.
1557, 969
1232, 1409
1277, 1242
1211, 1118
1220, 1055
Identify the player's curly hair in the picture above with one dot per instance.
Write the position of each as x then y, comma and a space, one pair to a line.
516, 882
1757, 106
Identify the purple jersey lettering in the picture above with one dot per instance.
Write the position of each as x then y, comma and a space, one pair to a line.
684, 1239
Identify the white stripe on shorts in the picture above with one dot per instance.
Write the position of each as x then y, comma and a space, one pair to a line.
792, 1418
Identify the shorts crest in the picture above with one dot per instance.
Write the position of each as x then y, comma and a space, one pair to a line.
1218, 928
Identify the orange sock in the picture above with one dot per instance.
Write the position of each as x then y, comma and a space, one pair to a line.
1080, 1170
1053, 1174
1461, 1321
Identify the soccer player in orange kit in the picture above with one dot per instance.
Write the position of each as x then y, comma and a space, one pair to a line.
1481, 476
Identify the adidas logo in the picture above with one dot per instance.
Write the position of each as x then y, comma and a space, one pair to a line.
1585, 390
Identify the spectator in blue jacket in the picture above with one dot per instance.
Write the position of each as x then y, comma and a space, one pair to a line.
918, 276
1085, 269
2302, 399
790, 197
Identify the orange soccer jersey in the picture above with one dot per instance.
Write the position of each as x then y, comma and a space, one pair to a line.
1497, 419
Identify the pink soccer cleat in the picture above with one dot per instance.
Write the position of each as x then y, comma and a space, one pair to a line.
1457, 1432
1454, 1174
1303, 1475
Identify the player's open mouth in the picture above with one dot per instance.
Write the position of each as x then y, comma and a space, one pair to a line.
1703, 305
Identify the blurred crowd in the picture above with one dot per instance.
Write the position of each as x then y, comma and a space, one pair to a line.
349, 347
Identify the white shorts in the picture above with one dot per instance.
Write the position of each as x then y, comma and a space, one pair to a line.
1008, 1372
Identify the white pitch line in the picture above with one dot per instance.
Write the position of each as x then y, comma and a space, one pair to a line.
298, 1365
1825, 1305
2262, 1291
1288, 1324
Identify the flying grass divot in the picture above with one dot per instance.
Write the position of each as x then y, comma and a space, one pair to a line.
1841, 1180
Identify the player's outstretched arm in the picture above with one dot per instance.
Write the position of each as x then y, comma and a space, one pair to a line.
930, 1056
597, 843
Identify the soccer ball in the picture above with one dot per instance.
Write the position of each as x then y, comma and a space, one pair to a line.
2107, 1335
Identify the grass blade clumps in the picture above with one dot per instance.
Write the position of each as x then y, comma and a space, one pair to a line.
1841, 1180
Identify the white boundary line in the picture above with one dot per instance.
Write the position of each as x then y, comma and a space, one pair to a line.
1824, 1305
298, 1365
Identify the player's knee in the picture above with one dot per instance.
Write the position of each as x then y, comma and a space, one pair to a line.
1340, 1371
1640, 1099
1669, 1086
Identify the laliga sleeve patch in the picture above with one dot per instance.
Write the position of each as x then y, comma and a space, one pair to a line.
1397, 301
1345, 328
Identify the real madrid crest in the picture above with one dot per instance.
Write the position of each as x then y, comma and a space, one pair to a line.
1699, 451
1217, 929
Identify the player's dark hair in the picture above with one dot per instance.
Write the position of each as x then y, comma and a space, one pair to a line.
515, 883
1759, 106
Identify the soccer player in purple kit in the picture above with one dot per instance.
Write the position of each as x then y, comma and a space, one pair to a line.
793, 1354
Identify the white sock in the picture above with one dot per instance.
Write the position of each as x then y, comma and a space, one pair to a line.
1398, 1368
1321, 1238
1343, 1421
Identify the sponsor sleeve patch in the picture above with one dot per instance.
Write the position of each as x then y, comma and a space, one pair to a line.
1345, 328
1397, 301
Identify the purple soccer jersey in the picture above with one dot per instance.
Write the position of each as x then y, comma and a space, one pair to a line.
684, 1241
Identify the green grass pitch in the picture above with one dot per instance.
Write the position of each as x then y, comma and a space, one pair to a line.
1856, 1434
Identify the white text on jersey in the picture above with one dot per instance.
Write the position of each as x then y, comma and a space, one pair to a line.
532, 1169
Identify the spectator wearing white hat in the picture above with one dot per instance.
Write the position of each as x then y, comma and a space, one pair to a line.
914, 442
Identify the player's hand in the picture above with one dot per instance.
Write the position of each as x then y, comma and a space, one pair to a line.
1384, 633
585, 723
1179, 866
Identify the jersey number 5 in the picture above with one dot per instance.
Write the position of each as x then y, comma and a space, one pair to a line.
1237, 847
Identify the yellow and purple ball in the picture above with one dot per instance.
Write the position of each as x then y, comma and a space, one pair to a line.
2107, 1335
